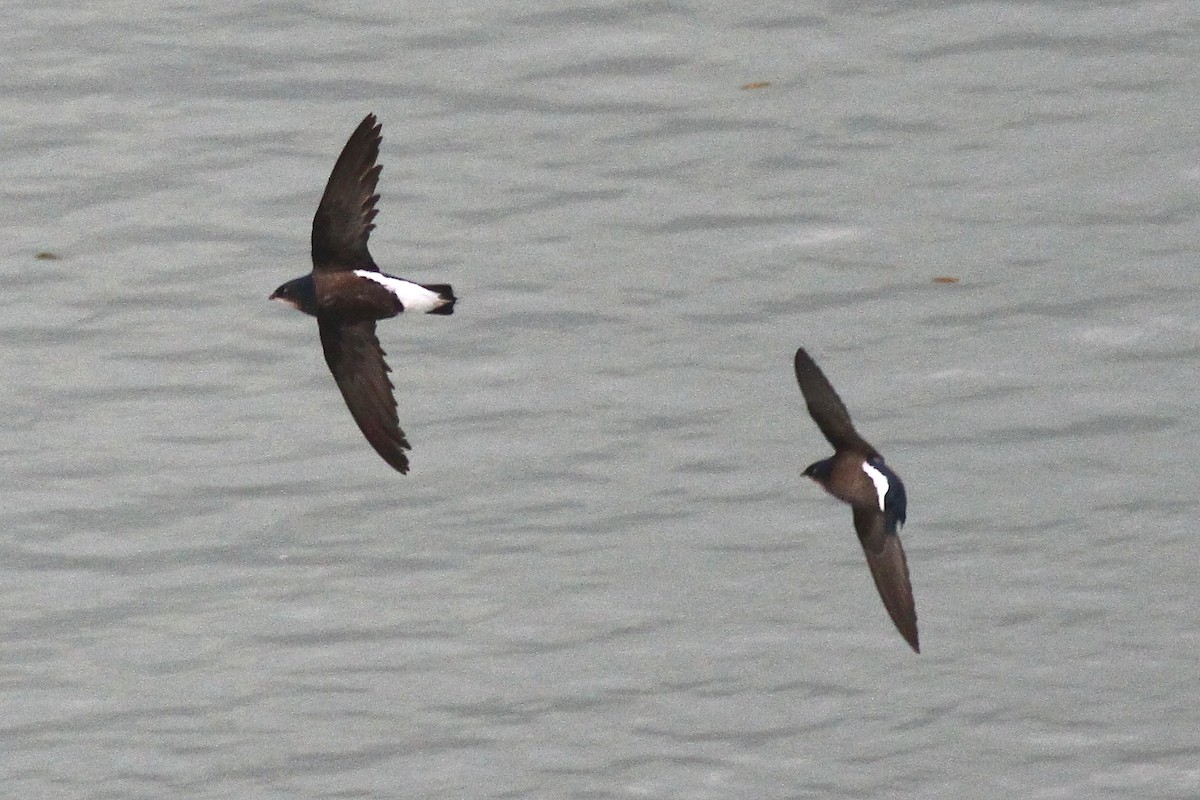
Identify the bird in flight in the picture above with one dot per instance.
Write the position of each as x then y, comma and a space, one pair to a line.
347, 293
856, 474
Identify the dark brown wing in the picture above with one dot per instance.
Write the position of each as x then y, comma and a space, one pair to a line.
889, 568
827, 409
356, 361
343, 223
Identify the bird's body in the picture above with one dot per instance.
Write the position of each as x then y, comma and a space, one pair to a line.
856, 474
347, 294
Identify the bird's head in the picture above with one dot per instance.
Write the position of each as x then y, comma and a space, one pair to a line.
820, 471
300, 294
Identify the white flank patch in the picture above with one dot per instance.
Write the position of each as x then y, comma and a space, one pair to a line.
880, 480
413, 296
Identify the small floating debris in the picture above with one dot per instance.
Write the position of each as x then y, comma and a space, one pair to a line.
945, 279
46, 255
757, 85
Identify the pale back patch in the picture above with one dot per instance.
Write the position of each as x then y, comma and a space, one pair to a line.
880, 480
413, 296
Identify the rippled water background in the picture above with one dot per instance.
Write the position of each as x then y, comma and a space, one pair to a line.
604, 577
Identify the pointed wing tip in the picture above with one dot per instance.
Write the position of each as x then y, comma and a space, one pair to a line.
395, 453
372, 130
908, 629
374, 429
391, 445
381, 441
904, 616
387, 440
371, 121
802, 360
384, 441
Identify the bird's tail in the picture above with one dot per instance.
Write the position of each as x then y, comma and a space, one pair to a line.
446, 294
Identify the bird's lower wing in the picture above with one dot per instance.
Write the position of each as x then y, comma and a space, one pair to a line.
889, 568
357, 363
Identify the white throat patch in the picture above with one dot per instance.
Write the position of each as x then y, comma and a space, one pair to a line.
880, 480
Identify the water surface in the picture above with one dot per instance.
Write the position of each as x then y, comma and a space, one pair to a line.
604, 576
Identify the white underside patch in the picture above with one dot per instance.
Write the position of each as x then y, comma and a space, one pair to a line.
413, 296
880, 480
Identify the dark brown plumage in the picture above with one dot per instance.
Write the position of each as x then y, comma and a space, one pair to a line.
345, 216
347, 293
357, 362
856, 474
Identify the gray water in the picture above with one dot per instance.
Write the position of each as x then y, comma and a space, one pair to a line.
605, 576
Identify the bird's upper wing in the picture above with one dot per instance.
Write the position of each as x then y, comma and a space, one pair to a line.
826, 408
889, 568
356, 361
343, 221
